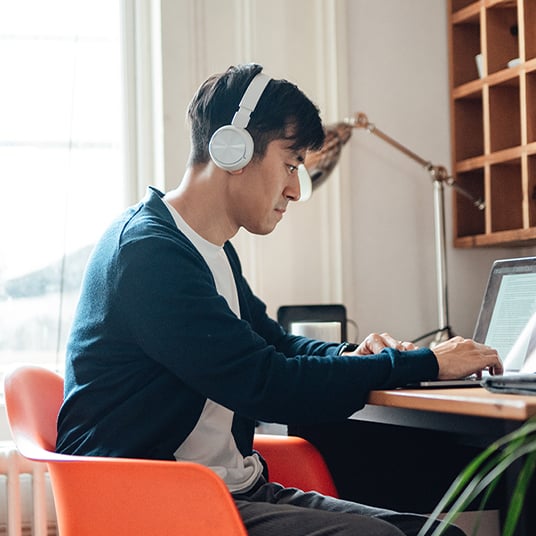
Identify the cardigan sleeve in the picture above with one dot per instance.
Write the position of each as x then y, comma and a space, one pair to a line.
171, 306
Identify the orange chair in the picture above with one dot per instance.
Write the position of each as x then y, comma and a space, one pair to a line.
122, 497
294, 462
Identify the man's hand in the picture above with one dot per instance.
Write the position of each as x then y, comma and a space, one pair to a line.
459, 357
375, 343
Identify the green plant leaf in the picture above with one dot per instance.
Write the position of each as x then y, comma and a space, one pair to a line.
482, 475
518, 496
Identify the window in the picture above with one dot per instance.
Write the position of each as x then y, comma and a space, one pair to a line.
61, 162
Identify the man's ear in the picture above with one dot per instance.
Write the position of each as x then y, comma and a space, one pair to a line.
236, 171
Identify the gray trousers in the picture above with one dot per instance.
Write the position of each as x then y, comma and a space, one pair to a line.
272, 510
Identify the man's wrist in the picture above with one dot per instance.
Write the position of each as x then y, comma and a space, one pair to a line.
347, 347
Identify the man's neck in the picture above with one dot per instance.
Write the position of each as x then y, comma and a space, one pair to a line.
200, 200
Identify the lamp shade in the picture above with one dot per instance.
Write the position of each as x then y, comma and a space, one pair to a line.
321, 163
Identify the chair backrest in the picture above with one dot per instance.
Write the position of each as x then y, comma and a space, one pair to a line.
295, 462
33, 398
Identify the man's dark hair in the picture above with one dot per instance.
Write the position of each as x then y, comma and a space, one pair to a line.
283, 112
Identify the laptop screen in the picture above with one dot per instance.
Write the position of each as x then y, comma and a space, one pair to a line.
509, 304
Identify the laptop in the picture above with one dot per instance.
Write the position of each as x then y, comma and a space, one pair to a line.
506, 321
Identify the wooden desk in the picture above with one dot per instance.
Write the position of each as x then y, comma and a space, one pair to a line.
475, 416
474, 413
474, 401
405, 446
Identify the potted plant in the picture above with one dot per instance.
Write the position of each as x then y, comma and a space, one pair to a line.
481, 476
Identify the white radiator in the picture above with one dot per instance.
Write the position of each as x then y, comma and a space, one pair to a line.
26, 502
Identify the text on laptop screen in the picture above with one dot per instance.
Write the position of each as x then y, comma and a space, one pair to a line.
514, 306
508, 305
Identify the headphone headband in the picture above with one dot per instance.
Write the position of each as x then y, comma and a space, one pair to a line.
249, 100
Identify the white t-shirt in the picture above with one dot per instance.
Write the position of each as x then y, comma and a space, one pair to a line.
211, 442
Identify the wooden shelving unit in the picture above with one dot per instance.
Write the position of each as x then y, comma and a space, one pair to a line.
493, 120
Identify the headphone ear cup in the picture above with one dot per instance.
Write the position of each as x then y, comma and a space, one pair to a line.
231, 148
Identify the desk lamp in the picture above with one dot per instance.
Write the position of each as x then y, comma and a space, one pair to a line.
321, 163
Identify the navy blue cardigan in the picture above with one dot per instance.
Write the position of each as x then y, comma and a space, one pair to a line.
152, 340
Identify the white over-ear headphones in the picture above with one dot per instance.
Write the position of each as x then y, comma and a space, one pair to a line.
231, 146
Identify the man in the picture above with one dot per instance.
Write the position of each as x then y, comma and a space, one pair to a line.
171, 355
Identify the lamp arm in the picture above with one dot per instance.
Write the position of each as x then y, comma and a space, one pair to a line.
440, 177
321, 163
438, 173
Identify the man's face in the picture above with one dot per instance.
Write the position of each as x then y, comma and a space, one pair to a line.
264, 188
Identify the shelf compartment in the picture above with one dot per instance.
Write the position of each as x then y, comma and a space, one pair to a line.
502, 44
529, 7
470, 220
456, 5
469, 130
505, 115
517, 237
506, 196
493, 120
531, 107
465, 46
